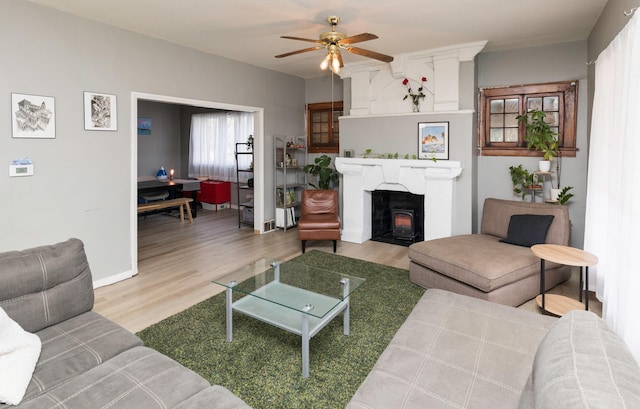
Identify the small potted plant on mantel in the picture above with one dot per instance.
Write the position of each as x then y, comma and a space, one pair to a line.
540, 136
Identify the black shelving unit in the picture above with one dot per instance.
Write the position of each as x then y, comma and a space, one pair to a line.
245, 209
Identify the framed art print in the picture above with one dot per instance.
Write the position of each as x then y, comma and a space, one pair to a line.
144, 126
33, 116
100, 112
433, 140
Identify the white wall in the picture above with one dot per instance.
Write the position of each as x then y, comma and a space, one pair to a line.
83, 179
560, 62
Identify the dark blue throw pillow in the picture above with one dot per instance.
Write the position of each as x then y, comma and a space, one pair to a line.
528, 229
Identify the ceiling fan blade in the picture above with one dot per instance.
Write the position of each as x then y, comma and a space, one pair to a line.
303, 39
368, 53
358, 38
318, 47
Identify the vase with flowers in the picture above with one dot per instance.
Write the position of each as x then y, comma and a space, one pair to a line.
415, 97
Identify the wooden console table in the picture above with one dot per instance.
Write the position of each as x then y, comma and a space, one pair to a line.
569, 256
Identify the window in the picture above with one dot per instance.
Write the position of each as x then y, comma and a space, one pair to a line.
212, 143
500, 133
323, 127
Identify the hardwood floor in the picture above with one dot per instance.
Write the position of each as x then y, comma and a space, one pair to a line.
177, 262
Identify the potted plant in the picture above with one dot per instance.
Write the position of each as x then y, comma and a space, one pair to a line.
564, 195
322, 169
540, 136
523, 180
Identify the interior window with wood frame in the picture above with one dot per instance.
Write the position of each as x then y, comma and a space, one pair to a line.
323, 127
501, 134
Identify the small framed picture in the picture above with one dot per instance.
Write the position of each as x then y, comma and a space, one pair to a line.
33, 116
433, 140
100, 112
144, 126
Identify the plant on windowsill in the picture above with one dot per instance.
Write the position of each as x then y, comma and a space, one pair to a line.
540, 136
322, 169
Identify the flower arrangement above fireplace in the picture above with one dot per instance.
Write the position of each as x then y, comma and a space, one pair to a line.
415, 97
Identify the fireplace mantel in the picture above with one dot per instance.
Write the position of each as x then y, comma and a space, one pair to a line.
434, 180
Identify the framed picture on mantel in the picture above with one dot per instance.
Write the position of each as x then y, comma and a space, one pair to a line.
433, 140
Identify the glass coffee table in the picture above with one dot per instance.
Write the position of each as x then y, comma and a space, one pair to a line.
291, 296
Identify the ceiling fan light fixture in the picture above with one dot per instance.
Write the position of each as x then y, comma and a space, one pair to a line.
334, 41
325, 63
335, 63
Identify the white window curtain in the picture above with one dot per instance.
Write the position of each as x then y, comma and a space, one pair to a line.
612, 222
212, 144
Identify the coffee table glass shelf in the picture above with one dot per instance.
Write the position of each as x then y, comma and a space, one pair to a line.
294, 297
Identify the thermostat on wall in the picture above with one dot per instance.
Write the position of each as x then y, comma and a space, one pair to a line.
20, 170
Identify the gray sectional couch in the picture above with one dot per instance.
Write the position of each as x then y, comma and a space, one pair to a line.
455, 351
86, 360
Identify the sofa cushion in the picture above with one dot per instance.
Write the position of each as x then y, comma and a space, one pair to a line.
74, 346
37, 284
496, 215
478, 260
455, 351
19, 352
528, 229
215, 396
582, 363
138, 378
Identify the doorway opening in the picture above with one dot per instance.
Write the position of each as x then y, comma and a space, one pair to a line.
258, 149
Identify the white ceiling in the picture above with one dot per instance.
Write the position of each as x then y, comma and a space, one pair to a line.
250, 30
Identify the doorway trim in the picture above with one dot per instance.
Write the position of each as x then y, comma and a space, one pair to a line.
258, 159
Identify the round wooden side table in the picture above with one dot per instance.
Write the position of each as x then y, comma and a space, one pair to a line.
569, 256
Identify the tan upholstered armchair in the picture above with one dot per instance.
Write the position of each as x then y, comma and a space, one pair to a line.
319, 218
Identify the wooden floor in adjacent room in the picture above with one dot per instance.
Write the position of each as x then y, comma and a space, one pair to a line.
177, 262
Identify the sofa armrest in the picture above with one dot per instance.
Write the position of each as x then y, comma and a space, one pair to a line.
45, 285
496, 215
582, 363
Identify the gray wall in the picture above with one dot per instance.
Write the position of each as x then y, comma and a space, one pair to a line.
83, 179
560, 62
162, 146
319, 89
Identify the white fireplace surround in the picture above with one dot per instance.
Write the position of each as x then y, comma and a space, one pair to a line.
435, 180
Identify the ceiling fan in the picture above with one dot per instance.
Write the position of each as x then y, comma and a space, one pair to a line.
334, 41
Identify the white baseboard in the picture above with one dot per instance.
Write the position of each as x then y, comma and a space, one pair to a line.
112, 279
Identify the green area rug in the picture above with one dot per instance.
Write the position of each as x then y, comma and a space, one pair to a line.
263, 364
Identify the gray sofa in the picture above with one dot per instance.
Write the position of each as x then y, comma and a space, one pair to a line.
455, 351
86, 360
481, 266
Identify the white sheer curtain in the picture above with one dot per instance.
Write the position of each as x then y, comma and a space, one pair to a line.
612, 224
212, 144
